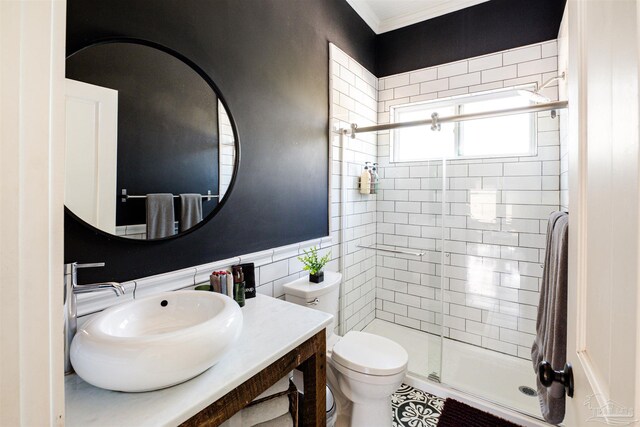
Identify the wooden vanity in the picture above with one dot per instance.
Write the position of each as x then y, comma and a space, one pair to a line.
309, 357
277, 337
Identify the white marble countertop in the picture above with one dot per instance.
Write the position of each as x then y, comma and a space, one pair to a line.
271, 329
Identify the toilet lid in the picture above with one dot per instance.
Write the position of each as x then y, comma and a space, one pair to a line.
370, 354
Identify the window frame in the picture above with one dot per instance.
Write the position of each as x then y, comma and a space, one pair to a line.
458, 102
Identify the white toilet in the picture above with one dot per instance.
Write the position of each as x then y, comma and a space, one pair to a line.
365, 368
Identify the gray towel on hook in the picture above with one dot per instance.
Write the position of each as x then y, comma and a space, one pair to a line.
160, 216
550, 343
190, 210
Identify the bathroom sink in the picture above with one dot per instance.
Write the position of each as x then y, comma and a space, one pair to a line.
156, 342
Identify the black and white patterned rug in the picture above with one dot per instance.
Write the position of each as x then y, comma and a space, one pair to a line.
415, 408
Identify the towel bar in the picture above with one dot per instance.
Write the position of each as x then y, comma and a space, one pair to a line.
394, 251
124, 196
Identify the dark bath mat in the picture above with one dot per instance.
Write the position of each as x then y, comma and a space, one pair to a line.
457, 414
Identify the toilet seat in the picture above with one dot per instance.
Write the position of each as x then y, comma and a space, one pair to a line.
373, 380
369, 355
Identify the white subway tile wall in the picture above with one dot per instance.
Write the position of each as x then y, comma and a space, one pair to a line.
136, 231
495, 214
564, 162
354, 99
227, 150
562, 50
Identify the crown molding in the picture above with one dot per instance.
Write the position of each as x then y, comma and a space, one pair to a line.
367, 13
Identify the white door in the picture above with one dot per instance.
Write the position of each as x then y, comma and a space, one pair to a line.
603, 322
91, 153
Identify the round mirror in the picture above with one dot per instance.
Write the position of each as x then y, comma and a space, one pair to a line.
151, 148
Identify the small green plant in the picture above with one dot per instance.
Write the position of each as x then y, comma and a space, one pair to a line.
311, 262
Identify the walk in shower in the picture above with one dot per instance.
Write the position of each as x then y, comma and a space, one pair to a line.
467, 182
459, 252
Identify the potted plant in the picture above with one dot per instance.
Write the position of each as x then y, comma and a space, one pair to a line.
313, 264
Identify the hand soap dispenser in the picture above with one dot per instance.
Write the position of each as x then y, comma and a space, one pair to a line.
375, 179
365, 180
238, 285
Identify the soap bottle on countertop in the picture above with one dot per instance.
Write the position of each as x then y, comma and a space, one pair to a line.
214, 280
365, 180
238, 285
249, 272
227, 285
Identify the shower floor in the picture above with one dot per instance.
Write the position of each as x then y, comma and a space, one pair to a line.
484, 373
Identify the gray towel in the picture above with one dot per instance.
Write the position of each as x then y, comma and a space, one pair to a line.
160, 217
550, 343
190, 210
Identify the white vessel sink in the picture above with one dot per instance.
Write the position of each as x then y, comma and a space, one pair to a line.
156, 342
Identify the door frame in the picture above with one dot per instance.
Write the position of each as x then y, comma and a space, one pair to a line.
32, 120
590, 382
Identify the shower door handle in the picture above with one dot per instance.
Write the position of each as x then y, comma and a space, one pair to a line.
548, 376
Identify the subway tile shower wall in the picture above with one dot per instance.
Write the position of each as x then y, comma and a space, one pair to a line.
354, 99
495, 214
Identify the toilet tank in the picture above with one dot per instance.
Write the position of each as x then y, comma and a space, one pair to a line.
319, 296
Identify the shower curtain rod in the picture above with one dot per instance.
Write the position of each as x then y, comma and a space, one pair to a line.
435, 121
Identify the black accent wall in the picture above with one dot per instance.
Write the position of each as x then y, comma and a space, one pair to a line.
478, 30
269, 58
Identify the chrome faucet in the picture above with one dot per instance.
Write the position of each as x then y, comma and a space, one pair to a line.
71, 288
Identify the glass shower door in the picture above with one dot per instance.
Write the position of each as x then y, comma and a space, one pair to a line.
494, 251
431, 219
409, 262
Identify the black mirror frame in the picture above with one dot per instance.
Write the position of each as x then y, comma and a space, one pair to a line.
221, 98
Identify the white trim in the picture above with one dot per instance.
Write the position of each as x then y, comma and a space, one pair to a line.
366, 13
188, 277
260, 258
602, 86
32, 135
433, 10
284, 252
165, 282
203, 271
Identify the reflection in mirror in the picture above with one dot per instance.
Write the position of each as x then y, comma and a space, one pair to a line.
151, 147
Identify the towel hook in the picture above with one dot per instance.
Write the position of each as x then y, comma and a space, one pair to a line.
548, 376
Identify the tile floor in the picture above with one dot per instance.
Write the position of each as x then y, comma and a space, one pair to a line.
415, 408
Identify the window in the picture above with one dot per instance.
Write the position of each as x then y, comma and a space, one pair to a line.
420, 142
513, 135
